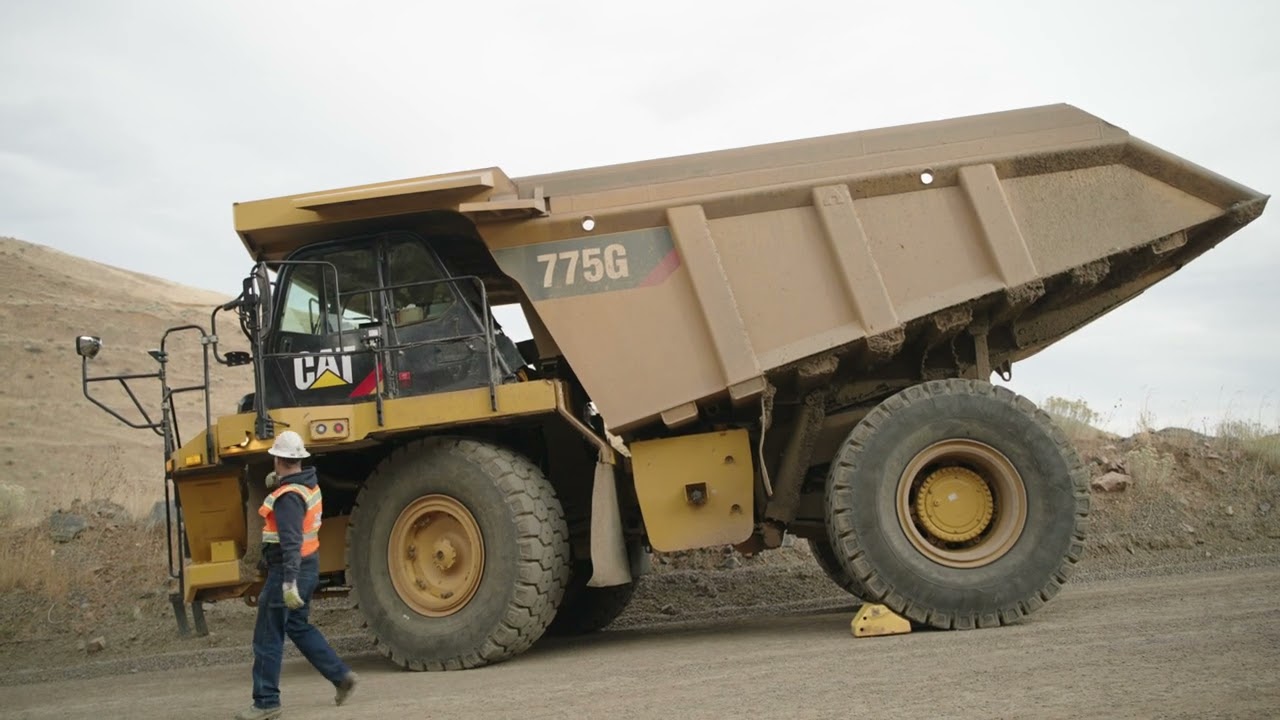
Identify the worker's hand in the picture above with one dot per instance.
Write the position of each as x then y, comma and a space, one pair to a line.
292, 599
272, 480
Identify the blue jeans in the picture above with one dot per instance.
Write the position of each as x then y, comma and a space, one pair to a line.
275, 620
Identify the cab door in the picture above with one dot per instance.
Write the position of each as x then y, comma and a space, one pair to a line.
436, 322
323, 329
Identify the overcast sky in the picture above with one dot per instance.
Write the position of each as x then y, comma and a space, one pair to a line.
127, 129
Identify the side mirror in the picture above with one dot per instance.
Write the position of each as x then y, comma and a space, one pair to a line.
88, 346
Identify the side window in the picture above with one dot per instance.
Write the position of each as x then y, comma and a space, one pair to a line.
410, 263
302, 301
312, 305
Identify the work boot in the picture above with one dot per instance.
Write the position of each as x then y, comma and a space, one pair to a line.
256, 713
346, 687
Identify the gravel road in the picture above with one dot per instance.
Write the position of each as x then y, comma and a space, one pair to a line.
1198, 645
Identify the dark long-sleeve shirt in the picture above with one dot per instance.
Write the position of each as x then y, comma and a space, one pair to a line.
290, 511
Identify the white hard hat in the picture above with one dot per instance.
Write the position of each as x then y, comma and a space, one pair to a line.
288, 444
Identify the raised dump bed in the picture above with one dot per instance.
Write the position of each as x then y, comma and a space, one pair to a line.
790, 338
703, 275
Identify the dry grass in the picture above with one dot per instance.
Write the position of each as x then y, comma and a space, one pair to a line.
1075, 417
28, 563
101, 478
105, 559
115, 544
1258, 450
15, 503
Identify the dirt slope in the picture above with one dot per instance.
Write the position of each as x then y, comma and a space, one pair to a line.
54, 444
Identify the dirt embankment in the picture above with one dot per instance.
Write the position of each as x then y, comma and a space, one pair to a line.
56, 446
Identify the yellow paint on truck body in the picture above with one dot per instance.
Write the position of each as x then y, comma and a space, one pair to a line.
233, 434
214, 507
695, 491
213, 513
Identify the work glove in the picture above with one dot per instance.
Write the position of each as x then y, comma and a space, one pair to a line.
272, 480
292, 599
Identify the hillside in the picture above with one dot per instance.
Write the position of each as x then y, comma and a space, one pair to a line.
54, 444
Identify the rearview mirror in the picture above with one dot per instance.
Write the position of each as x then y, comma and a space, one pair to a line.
88, 346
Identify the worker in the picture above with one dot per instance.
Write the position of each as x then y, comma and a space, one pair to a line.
291, 552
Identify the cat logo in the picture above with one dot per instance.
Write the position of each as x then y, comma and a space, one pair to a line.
322, 370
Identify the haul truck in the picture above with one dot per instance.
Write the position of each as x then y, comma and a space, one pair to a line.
726, 348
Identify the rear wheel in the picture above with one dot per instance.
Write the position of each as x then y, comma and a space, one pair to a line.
959, 504
457, 553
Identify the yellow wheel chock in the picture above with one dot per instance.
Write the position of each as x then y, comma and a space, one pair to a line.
873, 620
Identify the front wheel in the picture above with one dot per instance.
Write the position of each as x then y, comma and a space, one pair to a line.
958, 504
458, 554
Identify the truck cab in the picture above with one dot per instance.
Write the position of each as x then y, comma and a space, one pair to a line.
379, 312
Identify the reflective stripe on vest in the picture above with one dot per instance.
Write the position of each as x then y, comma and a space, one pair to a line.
310, 521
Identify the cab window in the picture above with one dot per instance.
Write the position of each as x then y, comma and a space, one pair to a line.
312, 305
410, 263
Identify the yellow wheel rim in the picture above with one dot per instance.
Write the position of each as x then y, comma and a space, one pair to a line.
961, 503
435, 555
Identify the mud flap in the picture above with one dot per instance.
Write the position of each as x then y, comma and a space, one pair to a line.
609, 562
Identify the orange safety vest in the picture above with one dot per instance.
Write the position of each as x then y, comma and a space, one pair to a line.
310, 521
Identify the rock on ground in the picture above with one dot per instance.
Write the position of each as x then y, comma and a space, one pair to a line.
1111, 482
64, 527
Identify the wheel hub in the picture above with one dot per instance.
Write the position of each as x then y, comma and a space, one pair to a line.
955, 504
435, 555
445, 555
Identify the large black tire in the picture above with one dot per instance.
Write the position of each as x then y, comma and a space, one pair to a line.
963, 428
588, 609
830, 564
525, 547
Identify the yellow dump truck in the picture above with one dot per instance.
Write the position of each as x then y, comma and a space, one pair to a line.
726, 348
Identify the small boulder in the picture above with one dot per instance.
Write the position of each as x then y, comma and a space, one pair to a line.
731, 562
669, 609
65, 527
96, 645
1111, 482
